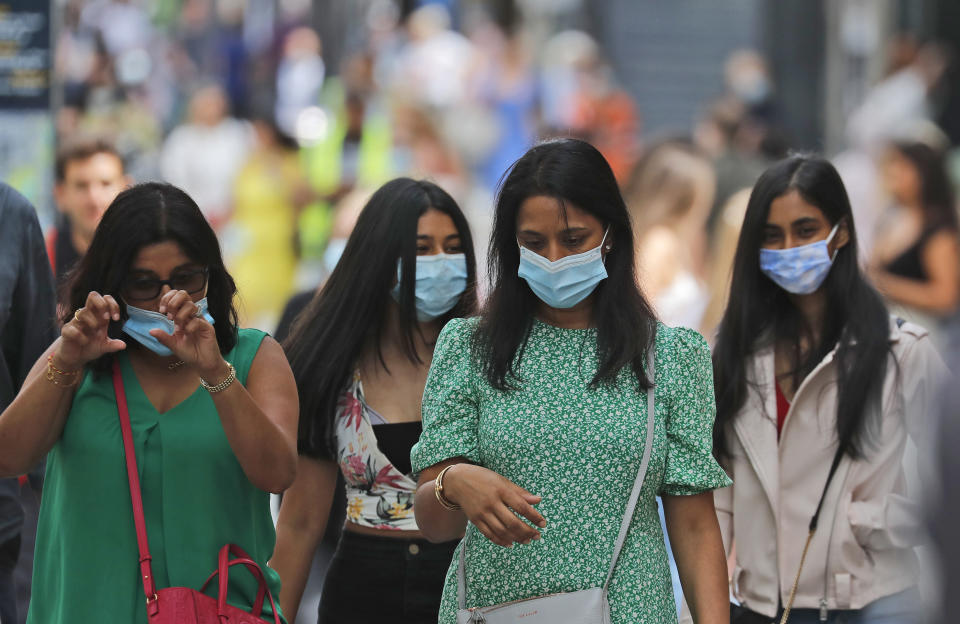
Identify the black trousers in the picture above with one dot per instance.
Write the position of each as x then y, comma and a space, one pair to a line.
372, 580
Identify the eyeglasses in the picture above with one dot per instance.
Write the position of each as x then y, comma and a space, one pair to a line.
147, 288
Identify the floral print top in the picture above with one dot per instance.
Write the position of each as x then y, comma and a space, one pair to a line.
378, 495
579, 448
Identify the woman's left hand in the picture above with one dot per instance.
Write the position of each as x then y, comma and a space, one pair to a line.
194, 340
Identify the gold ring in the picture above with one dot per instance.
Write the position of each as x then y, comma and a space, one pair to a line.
76, 315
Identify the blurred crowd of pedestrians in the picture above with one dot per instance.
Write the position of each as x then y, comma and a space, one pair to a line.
273, 142
269, 139
280, 149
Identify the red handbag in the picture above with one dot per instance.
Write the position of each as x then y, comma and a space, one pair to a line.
182, 605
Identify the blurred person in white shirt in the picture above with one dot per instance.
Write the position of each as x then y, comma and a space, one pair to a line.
299, 77
434, 64
204, 155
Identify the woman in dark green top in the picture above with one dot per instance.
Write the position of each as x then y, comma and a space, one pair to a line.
213, 410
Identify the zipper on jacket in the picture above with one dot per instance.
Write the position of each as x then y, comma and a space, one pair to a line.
824, 611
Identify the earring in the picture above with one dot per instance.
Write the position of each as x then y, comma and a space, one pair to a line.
608, 247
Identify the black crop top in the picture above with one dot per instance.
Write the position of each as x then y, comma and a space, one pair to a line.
909, 264
395, 441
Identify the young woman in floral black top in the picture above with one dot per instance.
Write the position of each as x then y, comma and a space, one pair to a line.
360, 353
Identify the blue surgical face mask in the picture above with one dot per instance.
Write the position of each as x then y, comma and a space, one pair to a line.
333, 252
799, 270
140, 322
565, 282
441, 279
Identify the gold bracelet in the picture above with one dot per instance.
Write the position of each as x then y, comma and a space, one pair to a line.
223, 385
53, 372
438, 491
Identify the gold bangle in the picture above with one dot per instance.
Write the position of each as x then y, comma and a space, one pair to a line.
223, 385
445, 502
53, 373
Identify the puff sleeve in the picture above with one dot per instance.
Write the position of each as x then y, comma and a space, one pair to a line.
450, 406
686, 375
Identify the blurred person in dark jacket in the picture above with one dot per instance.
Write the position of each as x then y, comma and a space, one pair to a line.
26, 329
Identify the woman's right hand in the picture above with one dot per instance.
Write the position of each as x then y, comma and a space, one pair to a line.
493, 504
85, 338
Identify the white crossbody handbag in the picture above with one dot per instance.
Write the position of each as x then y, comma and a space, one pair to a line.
587, 606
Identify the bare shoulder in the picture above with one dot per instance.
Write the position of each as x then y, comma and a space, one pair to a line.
943, 242
270, 360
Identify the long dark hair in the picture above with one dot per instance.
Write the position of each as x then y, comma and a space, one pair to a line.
143, 215
761, 313
936, 190
349, 313
574, 173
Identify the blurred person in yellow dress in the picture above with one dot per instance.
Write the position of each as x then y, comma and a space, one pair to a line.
260, 242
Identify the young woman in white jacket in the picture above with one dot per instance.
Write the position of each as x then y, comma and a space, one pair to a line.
818, 390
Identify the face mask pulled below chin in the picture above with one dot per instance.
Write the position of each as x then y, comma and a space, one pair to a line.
565, 282
799, 270
139, 323
440, 280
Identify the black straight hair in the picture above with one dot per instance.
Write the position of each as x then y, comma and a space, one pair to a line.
576, 174
142, 215
936, 189
760, 313
348, 315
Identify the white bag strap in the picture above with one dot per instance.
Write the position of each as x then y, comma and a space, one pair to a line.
631, 502
641, 473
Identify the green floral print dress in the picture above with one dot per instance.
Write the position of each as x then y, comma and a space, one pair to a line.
579, 448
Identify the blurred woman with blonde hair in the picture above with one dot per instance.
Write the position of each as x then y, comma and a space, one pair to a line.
669, 197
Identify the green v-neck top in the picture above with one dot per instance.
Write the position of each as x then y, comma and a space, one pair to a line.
196, 498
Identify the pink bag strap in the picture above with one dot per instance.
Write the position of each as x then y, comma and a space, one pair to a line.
133, 477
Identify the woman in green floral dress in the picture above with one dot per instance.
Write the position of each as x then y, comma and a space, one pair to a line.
537, 412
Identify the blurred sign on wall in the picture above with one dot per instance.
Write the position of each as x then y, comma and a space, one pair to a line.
26, 129
25, 54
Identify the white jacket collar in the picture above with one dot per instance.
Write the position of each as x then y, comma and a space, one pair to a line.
756, 424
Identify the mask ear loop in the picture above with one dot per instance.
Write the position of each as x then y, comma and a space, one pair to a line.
603, 256
206, 291
829, 238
